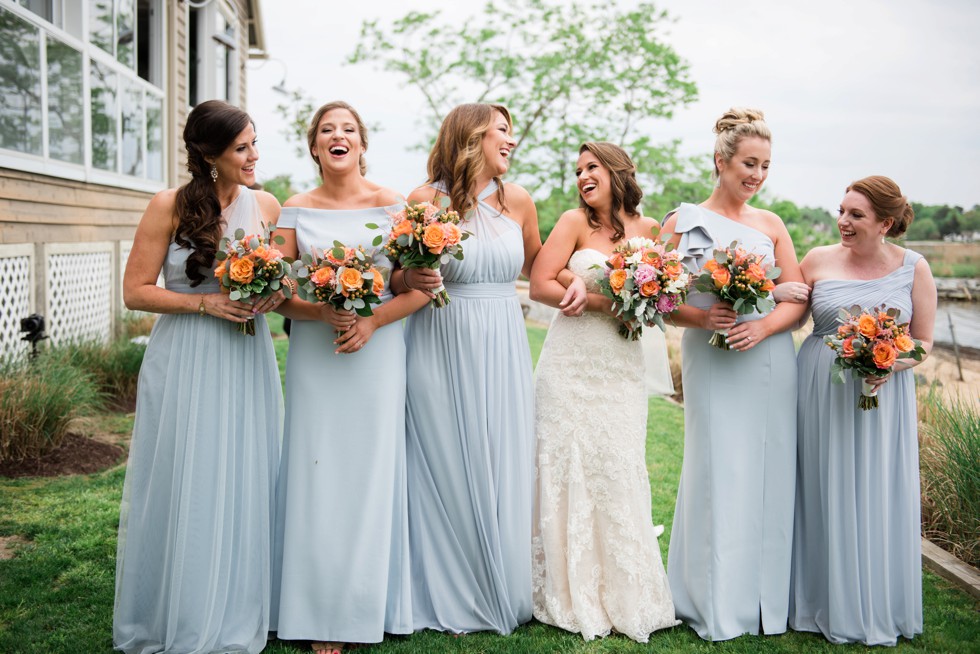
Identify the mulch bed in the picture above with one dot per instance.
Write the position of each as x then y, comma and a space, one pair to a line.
77, 455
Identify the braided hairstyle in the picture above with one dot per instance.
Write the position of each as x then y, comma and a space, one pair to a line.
211, 127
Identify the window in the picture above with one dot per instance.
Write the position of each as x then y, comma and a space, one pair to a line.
213, 54
83, 101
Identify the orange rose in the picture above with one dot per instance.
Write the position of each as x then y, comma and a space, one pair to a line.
904, 343
652, 258
242, 271
400, 228
650, 289
617, 260
884, 355
867, 326
434, 237
740, 256
768, 285
351, 280
378, 283
847, 347
721, 277
222, 268
348, 254
323, 276
617, 278
672, 269
845, 329
453, 234
269, 255
711, 265
755, 273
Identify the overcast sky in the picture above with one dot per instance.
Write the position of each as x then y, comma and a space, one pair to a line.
850, 88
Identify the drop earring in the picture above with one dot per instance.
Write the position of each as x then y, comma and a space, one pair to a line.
214, 173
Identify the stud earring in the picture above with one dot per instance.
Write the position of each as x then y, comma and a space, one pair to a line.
214, 173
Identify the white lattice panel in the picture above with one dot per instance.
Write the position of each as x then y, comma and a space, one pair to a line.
16, 297
79, 295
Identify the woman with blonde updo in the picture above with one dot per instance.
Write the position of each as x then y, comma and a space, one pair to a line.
342, 566
470, 421
857, 567
730, 547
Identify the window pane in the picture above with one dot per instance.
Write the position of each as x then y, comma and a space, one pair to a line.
65, 118
20, 85
154, 137
40, 7
132, 131
100, 24
126, 33
105, 106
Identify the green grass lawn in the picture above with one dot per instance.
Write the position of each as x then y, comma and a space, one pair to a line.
56, 594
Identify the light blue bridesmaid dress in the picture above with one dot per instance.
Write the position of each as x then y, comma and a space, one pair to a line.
342, 566
194, 558
731, 543
857, 561
470, 439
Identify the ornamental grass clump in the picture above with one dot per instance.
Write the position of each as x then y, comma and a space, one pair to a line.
115, 367
39, 401
950, 471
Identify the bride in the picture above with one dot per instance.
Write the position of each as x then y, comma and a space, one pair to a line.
597, 566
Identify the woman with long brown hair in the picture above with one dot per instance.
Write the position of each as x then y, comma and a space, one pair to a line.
469, 417
195, 535
592, 524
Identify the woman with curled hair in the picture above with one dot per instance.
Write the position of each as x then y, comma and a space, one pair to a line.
597, 565
195, 535
341, 572
731, 541
857, 567
469, 404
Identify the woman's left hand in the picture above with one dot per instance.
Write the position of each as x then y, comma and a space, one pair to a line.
876, 382
746, 335
356, 337
270, 303
576, 298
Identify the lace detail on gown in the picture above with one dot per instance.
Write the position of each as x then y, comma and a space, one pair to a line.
596, 563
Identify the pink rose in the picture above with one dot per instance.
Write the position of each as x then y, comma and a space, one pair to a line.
666, 304
645, 273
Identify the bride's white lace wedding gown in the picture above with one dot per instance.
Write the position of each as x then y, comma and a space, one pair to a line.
596, 564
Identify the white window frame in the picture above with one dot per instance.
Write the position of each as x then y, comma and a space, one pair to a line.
86, 172
207, 37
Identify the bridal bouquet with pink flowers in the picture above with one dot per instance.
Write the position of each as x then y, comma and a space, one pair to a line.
739, 277
424, 236
342, 276
868, 343
645, 280
250, 266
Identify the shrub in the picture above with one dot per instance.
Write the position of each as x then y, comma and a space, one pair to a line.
39, 400
136, 323
950, 469
115, 366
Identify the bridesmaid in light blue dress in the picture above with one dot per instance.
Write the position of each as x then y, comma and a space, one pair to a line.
857, 566
194, 556
470, 418
730, 546
342, 564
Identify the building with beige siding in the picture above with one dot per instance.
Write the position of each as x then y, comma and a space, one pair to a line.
93, 99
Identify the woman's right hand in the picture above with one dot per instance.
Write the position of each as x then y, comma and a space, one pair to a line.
720, 316
422, 279
341, 320
796, 292
220, 306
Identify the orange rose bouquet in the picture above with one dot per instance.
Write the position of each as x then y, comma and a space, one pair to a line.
249, 266
868, 343
740, 278
342, 276
424, 236
645, 279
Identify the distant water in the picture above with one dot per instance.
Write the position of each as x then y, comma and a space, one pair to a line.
966, 322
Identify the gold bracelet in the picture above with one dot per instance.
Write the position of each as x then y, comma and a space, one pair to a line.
201, 310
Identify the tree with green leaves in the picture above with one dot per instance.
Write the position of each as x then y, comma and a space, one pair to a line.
569, 72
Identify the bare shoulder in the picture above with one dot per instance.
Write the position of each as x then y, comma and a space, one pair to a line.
302, 200
820, 259
517, 194
573, 218
648, 223
161, 212
384, 196
268, 204
423, 194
